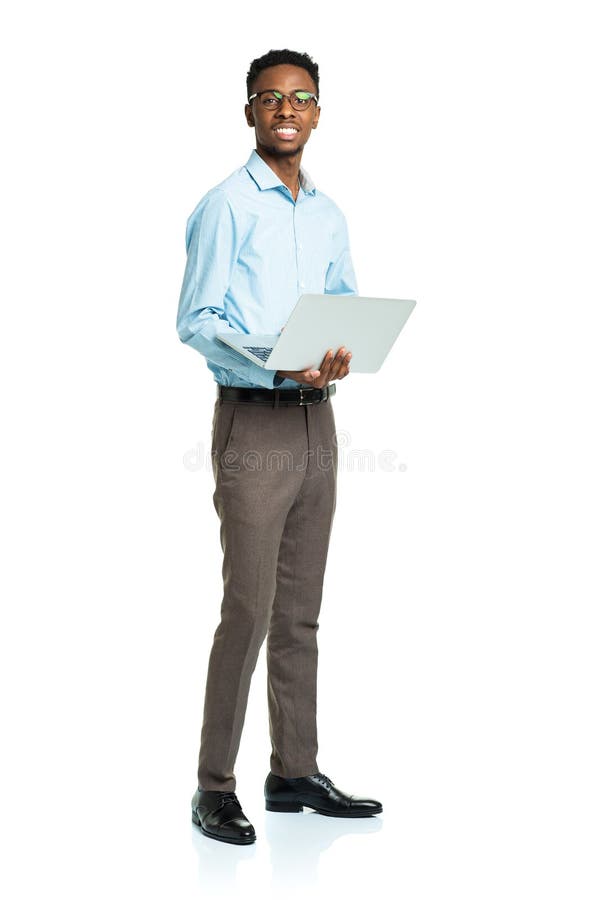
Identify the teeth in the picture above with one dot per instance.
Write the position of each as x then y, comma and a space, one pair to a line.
286, 130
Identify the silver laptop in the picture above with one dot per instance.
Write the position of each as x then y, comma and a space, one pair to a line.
366, 326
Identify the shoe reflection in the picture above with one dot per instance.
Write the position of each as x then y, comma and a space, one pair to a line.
297, 840
292, 844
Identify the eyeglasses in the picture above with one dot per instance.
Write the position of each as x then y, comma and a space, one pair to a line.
273, 99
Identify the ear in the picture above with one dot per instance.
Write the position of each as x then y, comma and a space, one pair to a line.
249, 116
316, 117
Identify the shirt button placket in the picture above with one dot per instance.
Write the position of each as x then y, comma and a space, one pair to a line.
298, 249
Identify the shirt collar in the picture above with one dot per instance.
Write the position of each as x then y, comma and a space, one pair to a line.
266, 178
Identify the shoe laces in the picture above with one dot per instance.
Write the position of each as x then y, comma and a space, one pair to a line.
228, 797
324, 779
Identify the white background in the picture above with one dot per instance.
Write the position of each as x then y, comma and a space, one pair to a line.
453, 640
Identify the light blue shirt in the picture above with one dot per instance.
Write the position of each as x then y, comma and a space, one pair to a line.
251, 252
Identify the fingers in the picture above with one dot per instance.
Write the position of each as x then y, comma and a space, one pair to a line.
339, 364
333, 367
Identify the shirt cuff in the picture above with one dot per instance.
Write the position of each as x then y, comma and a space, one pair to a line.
266, 378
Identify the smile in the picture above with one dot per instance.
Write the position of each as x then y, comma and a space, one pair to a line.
285, 132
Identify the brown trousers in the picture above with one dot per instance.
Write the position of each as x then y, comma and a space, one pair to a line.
275, 471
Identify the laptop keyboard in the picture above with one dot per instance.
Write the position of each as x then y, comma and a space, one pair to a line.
261, 352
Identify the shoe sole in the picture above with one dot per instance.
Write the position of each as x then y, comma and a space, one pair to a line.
284, 806
217, 837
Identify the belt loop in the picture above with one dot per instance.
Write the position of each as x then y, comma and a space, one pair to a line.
276, 398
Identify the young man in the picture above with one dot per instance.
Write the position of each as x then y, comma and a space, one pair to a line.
255, 242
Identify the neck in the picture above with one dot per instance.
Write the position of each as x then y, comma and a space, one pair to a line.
286, 167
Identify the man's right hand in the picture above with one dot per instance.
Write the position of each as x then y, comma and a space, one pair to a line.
331, 369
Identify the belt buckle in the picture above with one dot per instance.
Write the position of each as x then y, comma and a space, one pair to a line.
303, 402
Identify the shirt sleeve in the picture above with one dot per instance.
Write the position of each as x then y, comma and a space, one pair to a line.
340, 277
212, 248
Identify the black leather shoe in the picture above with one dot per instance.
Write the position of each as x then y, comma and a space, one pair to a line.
317, 791
219, 815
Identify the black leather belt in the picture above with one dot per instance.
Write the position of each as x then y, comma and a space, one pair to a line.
276, 397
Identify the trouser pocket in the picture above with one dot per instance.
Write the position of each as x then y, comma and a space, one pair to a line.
224, 429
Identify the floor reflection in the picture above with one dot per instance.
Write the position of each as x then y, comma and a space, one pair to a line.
286, 855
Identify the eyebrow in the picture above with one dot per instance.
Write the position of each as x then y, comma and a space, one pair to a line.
306, 90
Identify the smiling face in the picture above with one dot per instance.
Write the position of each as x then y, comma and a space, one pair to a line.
283, 131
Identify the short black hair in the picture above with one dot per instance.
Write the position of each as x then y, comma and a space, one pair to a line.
280, 58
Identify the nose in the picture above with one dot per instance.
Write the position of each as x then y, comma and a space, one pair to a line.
285, 109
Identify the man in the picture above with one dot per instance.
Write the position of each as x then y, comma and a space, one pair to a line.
255, 242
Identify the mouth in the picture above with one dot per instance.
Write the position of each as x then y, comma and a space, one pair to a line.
286, 132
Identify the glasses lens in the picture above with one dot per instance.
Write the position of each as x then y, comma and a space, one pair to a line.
301, 99
270, 99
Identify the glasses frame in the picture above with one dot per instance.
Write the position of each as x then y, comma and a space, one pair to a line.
285, 97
